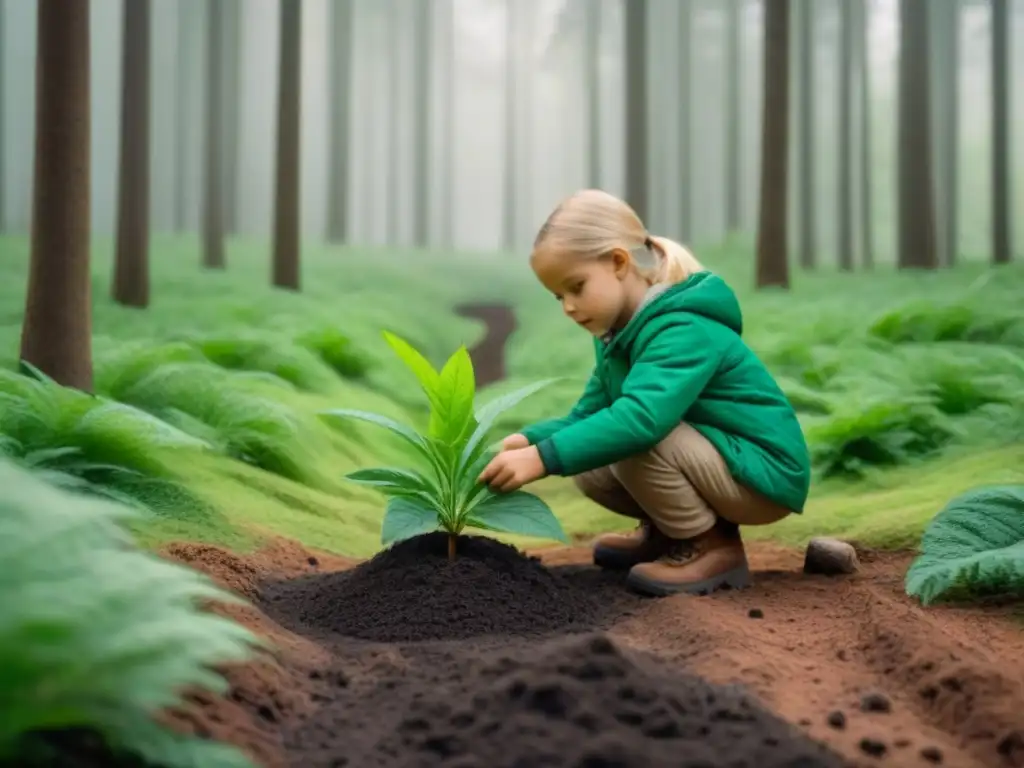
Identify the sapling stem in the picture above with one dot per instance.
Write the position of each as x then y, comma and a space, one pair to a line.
451, 547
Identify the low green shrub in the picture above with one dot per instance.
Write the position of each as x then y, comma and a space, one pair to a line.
99, 635
337, 351
297, 365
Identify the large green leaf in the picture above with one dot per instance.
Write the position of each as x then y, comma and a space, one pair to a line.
974, 545
487, 414
405, 518
453, 417
425, 373
396, 482
520, 513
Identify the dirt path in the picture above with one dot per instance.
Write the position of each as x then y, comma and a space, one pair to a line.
488, 354
944, 686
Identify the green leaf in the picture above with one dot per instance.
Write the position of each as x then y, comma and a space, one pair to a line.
520, 513
487, 414
405, 518
453, 414
410, 435
974, 545
417, 363
390, 477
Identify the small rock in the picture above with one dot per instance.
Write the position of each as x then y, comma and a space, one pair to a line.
837, 720
313, 561
755, 613
872, 747
830, 557
875, 702
932, 755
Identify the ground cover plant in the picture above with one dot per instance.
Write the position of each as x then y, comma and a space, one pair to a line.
445, 492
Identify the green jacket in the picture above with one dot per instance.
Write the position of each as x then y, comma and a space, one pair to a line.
681, 358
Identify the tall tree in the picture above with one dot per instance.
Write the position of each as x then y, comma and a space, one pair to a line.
808, 136
289, 100
946, 111
424, 121
686, 53
131, 261
56, 334
733, 108
844, 177
636, 106
393, 20
772, 259
182, 115
450, 82
232, 53
916, 208
339, 78
510, 219
1002, 247
592, 70
863, 22
213, 168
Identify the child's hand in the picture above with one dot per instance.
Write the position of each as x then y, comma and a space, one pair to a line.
513, 442
511, 470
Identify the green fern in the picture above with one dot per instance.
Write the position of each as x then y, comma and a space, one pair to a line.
99, 635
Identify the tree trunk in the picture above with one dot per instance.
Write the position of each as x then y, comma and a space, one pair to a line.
339, 78
289, 100
686, 52
510, 218
392, 22
916, 211
181, 118
808, 137
56, 335
864, 65
945, 55
448, 192
232, 120
592, 68
1001, 237
424, 122
733, 109
636, 106
772, 260
131, 264
213, 168
845, 174
3, 163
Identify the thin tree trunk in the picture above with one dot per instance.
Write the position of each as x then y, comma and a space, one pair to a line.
845, 175
131, 263
213, 168
424, 122
181, 146
733, 109
636, 106
1002, 248
864, 64
232, 119
808, 138
772, 260
948, 81
339, 90
289, 101
56, 335
592, 68
510, 217
916, 211
686, 52
392, 22
448, 131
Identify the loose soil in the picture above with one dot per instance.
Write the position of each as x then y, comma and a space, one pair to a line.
798, 670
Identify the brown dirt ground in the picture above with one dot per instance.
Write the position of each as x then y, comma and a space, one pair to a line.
953, 677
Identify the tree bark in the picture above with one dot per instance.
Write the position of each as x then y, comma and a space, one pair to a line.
845, 174
733, 109
808, 138
592, 68
864, 64
1002, 248
916, 206
213, 169
686, 181
424, 123
232, 120
289, 100
772, 259
510, 219
392, 22
56, 335
131, 261
636, 107
340, 85
181, 121
952, 142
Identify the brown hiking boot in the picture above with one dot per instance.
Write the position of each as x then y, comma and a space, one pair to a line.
624, 550
698, 566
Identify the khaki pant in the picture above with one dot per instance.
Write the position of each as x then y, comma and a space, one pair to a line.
682, 485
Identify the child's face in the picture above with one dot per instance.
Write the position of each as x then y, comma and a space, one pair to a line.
599, 295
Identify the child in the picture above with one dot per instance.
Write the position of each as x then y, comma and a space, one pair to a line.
680, 425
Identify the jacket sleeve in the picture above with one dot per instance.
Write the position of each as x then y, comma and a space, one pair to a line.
592, 400
671, 368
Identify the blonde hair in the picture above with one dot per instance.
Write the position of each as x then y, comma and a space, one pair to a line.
591, 223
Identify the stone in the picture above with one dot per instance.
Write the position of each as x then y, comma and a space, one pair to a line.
830, 557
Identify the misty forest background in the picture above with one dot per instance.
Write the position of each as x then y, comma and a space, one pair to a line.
207, 220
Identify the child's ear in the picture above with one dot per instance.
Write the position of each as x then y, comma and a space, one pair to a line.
622, 262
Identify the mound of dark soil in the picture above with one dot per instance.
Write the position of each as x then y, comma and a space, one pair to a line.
579, 703
412, 592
